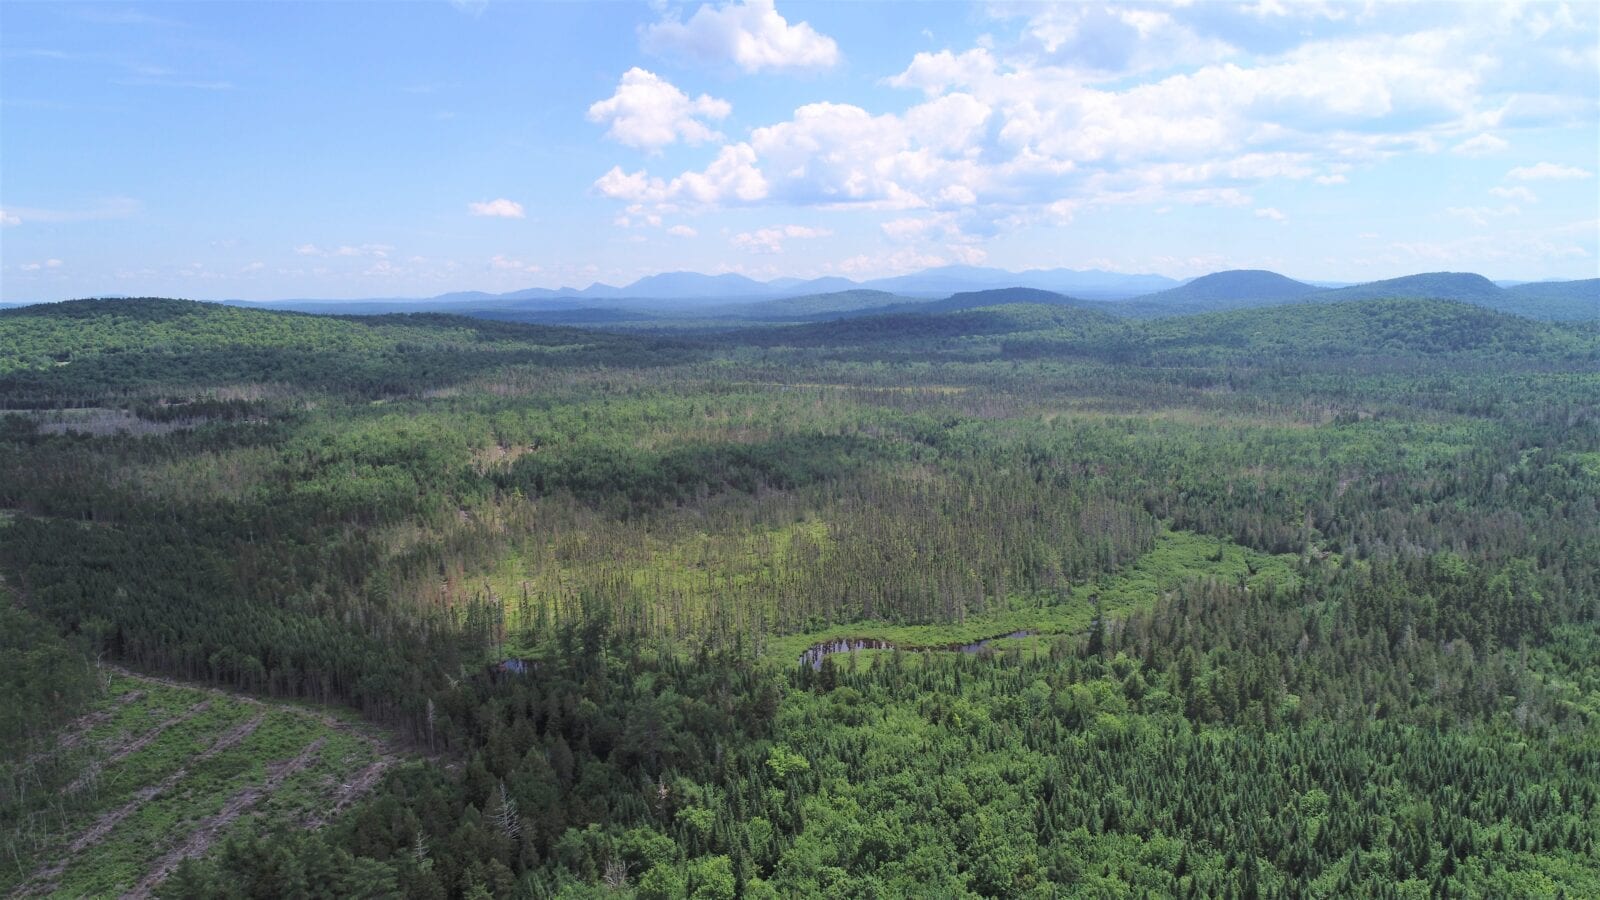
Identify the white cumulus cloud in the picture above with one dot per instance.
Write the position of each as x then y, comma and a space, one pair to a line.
730, 179
1482, 145
906, 259
1114, 39
1184, 109
909, 228
1007, 133
751, 35
501, 208
114, 208
503, 263
648, 112
1517, 192
1546, 171
934, 73
1480, 215
770, 240
966, 254
374, 251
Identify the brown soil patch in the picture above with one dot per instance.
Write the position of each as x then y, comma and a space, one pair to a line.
128, 748
42, 881
205, 835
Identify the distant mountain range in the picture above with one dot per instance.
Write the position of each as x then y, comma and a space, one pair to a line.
687, 297
1246, 288
1091, 284
939, 282
1562, 300
730, 288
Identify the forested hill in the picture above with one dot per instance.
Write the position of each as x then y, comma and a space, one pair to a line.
1550, 301
1464, 286
1372, 327
1295, 601
1249, 288
1216, 292
995, 297
818, 304
1562, 300
81, 349
1289, 333
1225, 290
1000, 296
902, 329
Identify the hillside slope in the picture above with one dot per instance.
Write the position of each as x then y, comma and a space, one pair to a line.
1554, 300
1243, 289
1467, 287
994, 297
1365, 327
159, 772
1228, 290
902, 329
1551, 301
814, 305
81, 349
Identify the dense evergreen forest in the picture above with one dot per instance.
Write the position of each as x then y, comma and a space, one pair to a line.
1291, 601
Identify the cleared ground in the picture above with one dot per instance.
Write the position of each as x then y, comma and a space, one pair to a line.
164, 771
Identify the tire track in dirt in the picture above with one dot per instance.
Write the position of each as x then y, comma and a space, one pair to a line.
127, 749
351, 791
81, 726
386, 749
200, 840
43, 880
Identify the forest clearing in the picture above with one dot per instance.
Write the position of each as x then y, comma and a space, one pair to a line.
158, 771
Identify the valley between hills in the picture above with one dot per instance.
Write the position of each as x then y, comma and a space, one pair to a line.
1213, 591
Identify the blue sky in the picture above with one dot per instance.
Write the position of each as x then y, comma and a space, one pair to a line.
276, 150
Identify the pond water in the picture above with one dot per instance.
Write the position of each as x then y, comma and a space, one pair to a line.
816, 653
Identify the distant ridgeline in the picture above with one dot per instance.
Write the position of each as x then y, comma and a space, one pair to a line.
720, 303
1240, 587
74, 352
